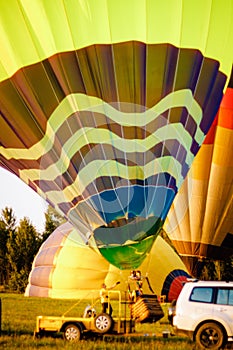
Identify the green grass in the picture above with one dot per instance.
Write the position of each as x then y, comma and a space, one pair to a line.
19, 320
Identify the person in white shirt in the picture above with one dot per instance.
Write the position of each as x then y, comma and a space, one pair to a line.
104, 297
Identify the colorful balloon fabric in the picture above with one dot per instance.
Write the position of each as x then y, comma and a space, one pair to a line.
104, 105
200, 222
66, 268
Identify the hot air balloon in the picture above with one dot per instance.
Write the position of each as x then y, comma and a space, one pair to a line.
200, 221
104, 105
66, 268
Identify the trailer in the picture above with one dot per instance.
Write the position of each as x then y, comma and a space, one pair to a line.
145, 309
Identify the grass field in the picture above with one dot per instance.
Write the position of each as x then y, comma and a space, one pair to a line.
19, 319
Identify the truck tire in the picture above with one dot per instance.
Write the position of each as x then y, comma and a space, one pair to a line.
72, 332
210, 336
103, 323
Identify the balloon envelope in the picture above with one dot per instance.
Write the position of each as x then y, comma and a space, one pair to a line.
200, 222
104, 105
65, 267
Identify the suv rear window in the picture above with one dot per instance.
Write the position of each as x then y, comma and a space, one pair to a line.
225, 296
202, 294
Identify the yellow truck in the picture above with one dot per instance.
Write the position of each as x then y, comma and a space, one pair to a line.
145, 309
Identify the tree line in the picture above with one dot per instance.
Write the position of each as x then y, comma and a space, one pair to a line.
18, 246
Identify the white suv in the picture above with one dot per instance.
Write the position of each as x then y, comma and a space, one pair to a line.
204, 311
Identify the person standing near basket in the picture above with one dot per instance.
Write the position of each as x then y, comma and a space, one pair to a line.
104, 298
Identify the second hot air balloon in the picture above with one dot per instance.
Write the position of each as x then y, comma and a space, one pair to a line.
200, 222
65, 267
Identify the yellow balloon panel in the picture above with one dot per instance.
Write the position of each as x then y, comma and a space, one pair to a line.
54, 26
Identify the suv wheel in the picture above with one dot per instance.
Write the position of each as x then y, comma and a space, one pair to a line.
210, 336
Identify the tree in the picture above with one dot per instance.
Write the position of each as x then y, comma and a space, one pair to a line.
209, 272
227, 269
22, 245
8, 218
19, 245
7, 228
52, 221
3, 259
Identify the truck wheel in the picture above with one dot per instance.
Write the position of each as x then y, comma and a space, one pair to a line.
210, 336
103, 323
72, 333
39, 334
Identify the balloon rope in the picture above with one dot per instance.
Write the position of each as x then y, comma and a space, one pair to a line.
149, 285
147, 278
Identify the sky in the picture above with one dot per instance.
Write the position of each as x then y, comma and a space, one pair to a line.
25, 202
